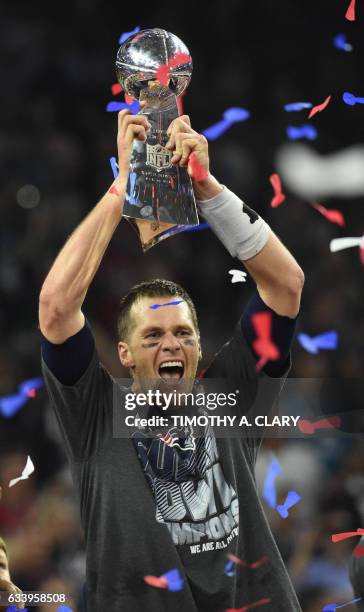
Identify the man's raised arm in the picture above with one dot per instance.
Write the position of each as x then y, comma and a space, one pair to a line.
278, 276
66, 285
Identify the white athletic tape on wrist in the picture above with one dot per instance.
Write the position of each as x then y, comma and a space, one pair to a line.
241, 230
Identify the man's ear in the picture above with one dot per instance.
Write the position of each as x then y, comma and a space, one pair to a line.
125, 355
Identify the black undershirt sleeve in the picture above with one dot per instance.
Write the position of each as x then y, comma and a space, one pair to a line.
283, 329
69, 361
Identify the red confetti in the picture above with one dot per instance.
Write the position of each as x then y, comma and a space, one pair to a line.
32, 393
359, 551
263, 345
114, 190
319, 107
156, 581
361, 255
279, 196
162, 74
180, 103
332, 215
129, 99
256, 604
196, 171
116, 88
307, 427
350, 13
178, 59
254, 565
337, 537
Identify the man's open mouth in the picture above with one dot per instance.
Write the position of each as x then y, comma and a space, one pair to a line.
171, 371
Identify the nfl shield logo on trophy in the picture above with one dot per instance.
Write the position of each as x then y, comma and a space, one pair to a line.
158, 157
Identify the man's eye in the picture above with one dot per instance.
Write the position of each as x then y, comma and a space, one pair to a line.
184, 332
152, 335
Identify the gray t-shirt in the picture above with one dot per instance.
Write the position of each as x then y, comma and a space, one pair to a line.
138, 523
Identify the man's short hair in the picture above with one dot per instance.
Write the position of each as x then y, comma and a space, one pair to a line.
154, 288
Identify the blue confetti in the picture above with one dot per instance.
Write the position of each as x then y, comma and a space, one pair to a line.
174, 580
232, 115
10, 404
196, 228
312, 344
331, 607
132, 178
15, 609
228, 569
269, 489
113, 107
155, 306
306, 131
291, 500
125, 35
64, 609
114, 167
297, 106
340, 43
351, 100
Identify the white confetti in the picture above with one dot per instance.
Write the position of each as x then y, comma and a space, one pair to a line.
238, 276
29, 469
338, 244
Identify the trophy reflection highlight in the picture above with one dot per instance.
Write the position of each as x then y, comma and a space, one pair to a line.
159, 196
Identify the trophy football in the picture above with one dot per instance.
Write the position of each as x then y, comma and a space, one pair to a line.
159, 199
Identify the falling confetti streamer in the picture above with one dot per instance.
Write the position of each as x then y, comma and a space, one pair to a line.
338, 537
291, 500
331, 607
263, 345
308, 427
256, 604
341, 44
334, 216
27, 471
269, 487
350, 13
306, 131
11, 404
319, 108
230, 116
351, 100
116, 89
338, 244
313, 344
296, 106
155, 306
125, 35
279, 196
239, 276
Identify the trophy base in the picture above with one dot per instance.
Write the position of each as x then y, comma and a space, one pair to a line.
151, 233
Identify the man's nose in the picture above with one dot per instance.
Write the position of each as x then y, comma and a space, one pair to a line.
170, 342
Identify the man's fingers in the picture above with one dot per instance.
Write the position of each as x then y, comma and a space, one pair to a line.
125, 119
178, 126
188, 146
137, 132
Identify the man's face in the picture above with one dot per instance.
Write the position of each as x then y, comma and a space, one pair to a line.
163, 347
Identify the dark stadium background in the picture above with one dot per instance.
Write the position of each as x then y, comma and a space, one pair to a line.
56, 70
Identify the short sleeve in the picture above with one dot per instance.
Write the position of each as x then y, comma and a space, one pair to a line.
83, 410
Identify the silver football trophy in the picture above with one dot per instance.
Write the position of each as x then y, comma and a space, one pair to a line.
159, 198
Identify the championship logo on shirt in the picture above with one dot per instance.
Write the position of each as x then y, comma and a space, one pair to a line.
192, 495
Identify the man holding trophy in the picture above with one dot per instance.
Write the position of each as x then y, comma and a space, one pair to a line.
149, 505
